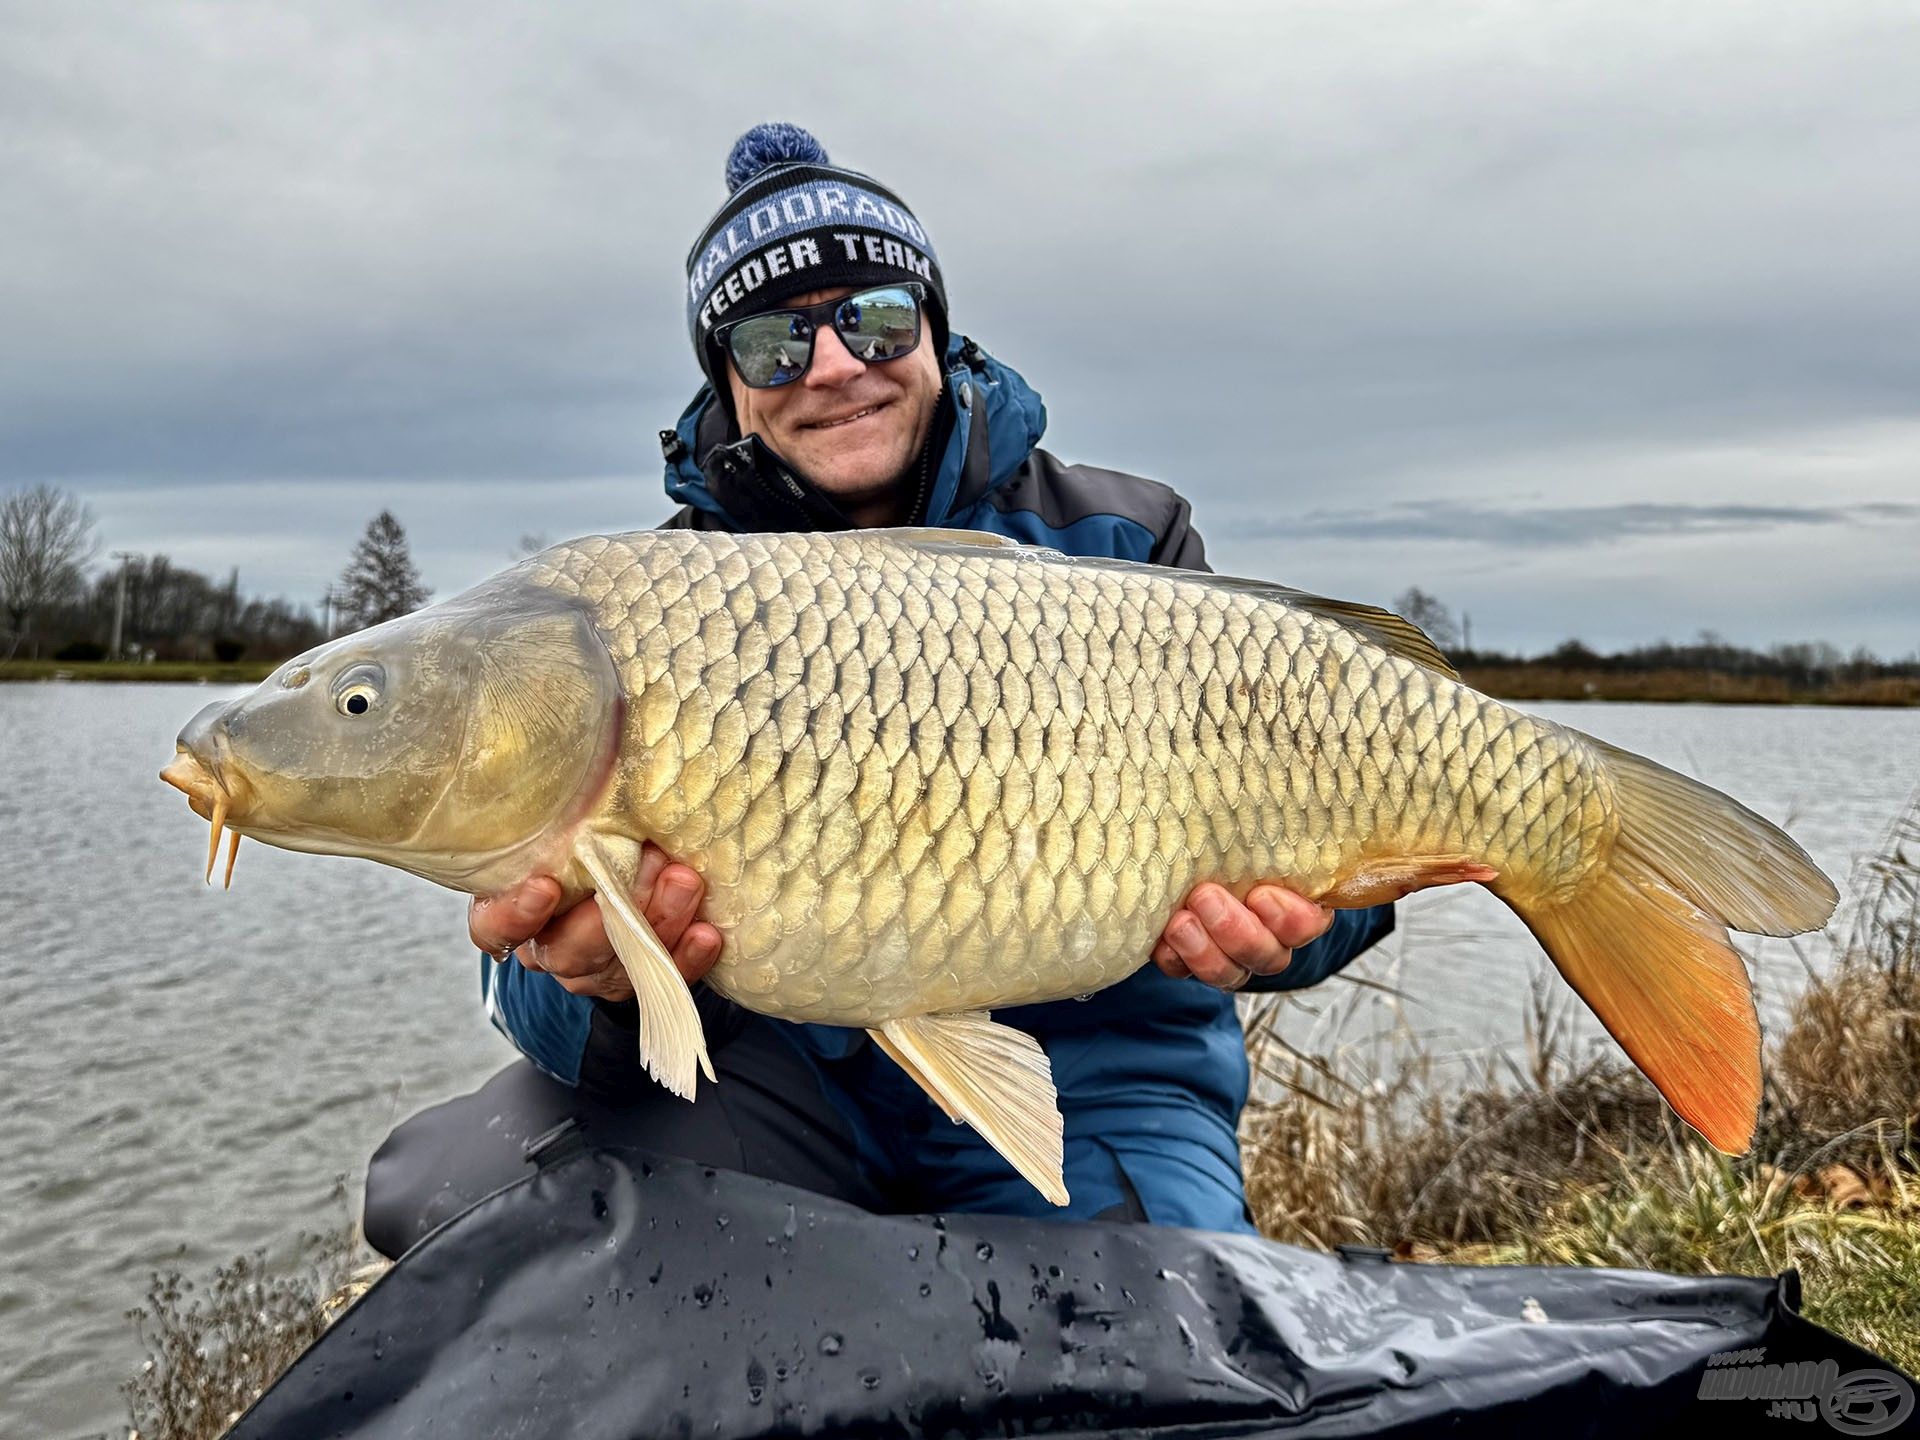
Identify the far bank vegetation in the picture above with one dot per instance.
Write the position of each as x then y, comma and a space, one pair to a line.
1705, 669
67, 611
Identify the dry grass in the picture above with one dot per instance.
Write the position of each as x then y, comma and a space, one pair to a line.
1557, 1163
1854, 1236
1849, 1063
1381, 1151
214, 1346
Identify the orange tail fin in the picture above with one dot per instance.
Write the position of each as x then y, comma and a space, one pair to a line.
1669, 987
1644, 941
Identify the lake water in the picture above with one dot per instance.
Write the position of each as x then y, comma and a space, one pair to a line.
184, 1073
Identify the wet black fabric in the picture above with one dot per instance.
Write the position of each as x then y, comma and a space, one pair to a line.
612, 1294
768, 1117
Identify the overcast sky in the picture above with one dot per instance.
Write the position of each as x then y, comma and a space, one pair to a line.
1594, 320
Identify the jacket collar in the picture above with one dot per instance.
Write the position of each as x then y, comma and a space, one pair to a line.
991, 420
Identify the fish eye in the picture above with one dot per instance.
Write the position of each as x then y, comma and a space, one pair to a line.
357, 691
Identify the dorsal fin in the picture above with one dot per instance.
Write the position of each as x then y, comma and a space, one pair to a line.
936, 536
1393, 633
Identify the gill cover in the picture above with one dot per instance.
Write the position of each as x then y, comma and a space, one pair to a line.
542, 725
458, 731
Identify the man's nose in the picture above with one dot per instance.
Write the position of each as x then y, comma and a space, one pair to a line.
833, 364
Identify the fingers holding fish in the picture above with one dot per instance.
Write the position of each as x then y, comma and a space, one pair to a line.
670, 895
1288, 916
1226, 942
575, 949
497, 923
1220, 941
1201, 957
1170, 963
673, 913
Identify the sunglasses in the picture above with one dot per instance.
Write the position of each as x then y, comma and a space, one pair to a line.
775, 348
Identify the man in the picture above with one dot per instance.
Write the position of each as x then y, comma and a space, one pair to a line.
839, 398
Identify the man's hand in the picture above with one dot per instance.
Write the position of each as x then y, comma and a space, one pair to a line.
574, 948
1225, 943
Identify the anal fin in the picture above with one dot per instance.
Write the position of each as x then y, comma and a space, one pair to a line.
905, 1062
672, 1041
1388, 878
995, 1078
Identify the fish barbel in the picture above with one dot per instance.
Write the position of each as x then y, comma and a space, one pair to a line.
928, 774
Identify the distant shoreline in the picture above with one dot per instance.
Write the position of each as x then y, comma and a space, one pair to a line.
1522, 682
1532, 680
245, 672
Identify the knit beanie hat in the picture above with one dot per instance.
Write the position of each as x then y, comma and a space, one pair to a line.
795, 222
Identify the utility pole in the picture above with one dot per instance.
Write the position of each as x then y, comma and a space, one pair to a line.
326, 603
120, 601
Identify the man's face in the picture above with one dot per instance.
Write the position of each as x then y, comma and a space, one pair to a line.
849, 427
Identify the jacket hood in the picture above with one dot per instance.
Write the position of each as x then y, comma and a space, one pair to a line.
998, 420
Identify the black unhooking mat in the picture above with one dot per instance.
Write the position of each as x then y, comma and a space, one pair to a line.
616, 1294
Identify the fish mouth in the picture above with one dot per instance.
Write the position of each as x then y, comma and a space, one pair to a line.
214, 799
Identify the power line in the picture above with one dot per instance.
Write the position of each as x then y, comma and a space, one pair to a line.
120, 600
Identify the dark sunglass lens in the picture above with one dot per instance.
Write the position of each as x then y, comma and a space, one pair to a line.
771, 350
879, 324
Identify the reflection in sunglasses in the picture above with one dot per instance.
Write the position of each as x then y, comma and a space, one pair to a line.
777, 348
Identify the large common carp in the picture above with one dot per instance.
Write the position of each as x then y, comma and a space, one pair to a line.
928, 774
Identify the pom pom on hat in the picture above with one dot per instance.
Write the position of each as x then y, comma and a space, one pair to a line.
768, 145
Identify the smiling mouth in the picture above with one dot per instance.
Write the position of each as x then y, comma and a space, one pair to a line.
848, 419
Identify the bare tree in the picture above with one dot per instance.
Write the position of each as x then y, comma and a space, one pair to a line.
1430, 615
380, 581
46, 538
531, 542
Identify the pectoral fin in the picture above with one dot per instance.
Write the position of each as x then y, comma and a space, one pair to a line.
995, 1078
672, 1041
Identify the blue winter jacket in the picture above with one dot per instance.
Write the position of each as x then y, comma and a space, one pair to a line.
1152, 1073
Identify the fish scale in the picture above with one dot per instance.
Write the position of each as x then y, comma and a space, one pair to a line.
975, 777
931, 774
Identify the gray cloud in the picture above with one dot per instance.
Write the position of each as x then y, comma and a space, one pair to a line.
430, 256
1445, 522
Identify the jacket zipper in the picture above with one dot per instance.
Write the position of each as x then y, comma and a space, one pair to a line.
917, 515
